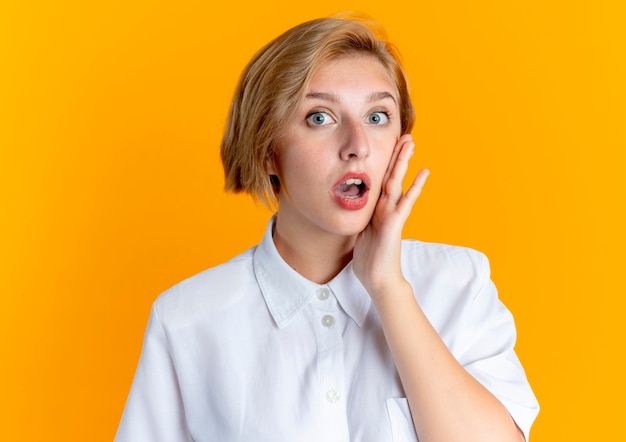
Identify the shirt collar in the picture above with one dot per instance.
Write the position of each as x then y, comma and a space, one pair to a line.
286, 292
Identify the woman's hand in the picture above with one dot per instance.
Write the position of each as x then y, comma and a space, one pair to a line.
446, 402
376, 256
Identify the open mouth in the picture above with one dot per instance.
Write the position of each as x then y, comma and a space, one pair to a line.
351, 188
351, 192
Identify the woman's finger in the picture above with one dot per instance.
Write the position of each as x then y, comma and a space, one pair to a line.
394, 155
412, 194
393, 185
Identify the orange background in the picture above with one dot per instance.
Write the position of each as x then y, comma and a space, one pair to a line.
111, 187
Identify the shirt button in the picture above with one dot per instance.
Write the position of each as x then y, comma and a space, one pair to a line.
328, 321
323, 294
332, 396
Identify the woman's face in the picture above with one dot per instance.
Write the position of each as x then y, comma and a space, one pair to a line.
334, 154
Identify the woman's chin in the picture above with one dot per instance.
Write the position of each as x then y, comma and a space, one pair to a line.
354, 224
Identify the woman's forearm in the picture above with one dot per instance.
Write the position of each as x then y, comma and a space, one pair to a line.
447, 403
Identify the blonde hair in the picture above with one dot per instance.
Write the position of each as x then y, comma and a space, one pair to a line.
274, 83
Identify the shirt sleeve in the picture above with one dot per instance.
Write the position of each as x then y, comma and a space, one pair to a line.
488, 351
154, 409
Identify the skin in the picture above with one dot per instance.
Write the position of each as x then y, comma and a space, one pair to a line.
350, 123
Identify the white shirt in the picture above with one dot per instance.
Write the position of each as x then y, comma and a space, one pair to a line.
252, 351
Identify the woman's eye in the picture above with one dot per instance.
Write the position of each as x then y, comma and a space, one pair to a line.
319, 118
378, 118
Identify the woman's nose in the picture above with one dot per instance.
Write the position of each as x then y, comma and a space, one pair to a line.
355, 143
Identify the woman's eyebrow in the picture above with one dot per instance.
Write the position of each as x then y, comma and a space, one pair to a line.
333, 98
377, 96
324, 96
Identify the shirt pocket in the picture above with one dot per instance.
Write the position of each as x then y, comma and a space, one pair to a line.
402, 429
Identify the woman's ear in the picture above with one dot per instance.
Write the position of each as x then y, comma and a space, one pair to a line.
270, 166
272, 174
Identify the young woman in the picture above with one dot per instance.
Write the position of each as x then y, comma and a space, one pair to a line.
332, 328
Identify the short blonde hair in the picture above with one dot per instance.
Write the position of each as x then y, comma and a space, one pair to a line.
274, 83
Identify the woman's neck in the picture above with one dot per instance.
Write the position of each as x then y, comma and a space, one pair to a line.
319, 258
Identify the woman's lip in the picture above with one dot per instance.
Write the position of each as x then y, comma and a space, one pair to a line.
355, 203
359, 175
352, 203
